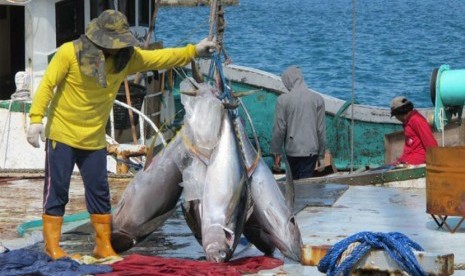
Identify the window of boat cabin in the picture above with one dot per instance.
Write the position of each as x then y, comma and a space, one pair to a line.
12, 47
69, 16
98, 6
128, 7
145, 12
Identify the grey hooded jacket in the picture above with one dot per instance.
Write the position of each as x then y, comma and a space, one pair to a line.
299, 121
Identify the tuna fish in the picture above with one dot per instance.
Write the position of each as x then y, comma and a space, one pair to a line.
194, 180
224, 201
150, 198
258, 236
226, 187
202, 120
270, 208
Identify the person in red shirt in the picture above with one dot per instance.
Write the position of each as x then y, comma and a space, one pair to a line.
417, 132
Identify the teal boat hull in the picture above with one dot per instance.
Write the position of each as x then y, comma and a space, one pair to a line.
259, 91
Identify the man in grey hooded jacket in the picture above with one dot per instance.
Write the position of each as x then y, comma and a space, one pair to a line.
299, 124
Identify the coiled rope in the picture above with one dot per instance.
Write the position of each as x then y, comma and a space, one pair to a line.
396, 245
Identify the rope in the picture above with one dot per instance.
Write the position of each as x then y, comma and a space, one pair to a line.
441, 120
398, 246
21, 95
353, 86
257, 143
193, 149
213, 18
226, 92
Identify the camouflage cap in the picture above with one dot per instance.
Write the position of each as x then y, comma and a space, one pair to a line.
110, 30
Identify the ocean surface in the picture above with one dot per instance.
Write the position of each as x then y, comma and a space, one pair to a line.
398, 43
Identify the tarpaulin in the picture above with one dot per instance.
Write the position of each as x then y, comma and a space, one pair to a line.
158, 266
29, 262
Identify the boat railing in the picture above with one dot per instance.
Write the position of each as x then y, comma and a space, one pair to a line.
146, 120
131, 154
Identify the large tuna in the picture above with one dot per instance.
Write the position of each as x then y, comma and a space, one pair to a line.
219, 174
202, 123
224, 200
270, 208
150, 198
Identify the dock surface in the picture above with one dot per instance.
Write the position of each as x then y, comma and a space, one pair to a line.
381, 209
330, 213
21, 200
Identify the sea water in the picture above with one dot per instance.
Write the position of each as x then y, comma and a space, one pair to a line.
391, 49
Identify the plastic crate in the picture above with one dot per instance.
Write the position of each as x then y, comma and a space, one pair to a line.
121, 114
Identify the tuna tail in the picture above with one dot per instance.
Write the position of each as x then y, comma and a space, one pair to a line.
258, 236
122, 241
191, 211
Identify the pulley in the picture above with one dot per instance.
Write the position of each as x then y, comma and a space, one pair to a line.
447, 90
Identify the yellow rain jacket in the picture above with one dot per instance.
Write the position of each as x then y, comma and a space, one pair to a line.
78, 107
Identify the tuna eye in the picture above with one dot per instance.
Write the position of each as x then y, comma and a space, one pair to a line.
222, 255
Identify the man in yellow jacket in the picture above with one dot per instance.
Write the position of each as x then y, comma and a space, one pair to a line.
77, 94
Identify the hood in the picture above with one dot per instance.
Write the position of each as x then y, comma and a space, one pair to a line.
292, 77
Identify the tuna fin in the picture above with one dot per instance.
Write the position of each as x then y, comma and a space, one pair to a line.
230, 236
270, 217
196, 72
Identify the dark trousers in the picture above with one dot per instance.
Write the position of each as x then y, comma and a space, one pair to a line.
59, 164
302, 166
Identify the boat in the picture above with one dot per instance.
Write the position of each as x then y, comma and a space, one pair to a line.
358, 136
376, 140
388, 176
377, 137
26, 54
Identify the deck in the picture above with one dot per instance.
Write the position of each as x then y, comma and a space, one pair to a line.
331, 212
21, 199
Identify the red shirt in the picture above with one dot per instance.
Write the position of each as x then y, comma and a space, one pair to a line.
418, 137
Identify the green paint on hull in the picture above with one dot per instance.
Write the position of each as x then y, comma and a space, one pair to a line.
368, 142
368, 147
16, 106
368, 137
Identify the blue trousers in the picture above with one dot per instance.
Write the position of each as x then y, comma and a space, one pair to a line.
59, 164
302, 166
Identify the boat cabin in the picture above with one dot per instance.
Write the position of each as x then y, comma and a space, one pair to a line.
31, 31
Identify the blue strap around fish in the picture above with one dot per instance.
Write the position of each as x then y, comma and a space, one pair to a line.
216, 63
396, 245
226, 94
